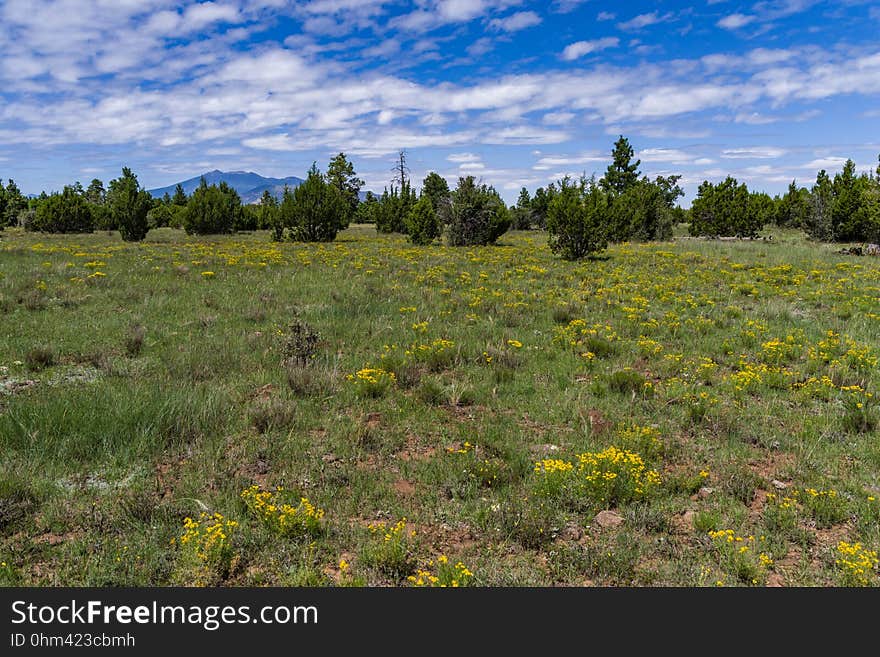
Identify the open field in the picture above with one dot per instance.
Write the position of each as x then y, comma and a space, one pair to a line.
684, 389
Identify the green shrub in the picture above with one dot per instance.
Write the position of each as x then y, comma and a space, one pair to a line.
477, 215
422, 224
67, 212
577, 219
315, 211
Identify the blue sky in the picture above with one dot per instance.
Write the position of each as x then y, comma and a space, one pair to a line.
517, 93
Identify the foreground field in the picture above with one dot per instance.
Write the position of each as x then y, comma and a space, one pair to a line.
685, 413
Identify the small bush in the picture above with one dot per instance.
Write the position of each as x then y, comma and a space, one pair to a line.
628, 381
300, 519
422, 224
477, 215
300, 343
390, 548
274, 414
134, 341
577, 219
39, 358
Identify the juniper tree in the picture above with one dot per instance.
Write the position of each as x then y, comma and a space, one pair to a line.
315, 211
129, 204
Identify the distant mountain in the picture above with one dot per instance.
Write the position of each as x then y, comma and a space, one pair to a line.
249, 185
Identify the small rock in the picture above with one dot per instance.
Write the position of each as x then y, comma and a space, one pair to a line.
687, 518
779, 485
608, 519
330, 458
705, 492
543, 450
571, 532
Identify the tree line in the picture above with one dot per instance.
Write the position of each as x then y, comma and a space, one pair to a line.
581, 216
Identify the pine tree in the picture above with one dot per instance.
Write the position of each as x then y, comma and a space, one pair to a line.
16, 203
180, 198
341, 174
95, 192
622, 173
129, 204
522, 212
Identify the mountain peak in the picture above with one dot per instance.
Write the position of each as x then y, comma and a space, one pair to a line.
249, 185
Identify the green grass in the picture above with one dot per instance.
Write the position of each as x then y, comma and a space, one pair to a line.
155, 392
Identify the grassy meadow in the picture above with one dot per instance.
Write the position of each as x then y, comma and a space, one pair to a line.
238, 412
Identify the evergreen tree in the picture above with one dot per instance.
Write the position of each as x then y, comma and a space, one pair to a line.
180, 197
129, 204
645, 211
522, 212
366, 212
793, 207
725, 210
269, 215
622, 173
819, 224
95, 193
211, 210
67, 212
16, 203
478, 215
393, 209
577, 219
315, 211
422, 224
341, 174
847, 198
436, 189
541, 203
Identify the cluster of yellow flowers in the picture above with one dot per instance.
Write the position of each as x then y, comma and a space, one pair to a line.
742, 555
611, 476
283, 518
209, 538
856, 563
392, 533
372, 381
445, 575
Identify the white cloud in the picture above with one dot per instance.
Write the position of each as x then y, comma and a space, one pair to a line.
755, 152
463, 157
605, 16
557, 118
644, 20
671, 155
735, 21
515, 22
580, 48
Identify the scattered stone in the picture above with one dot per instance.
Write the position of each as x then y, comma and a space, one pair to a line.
543, 450
608, 519
779, 485
330, 458
687, 518
705, 492
571, 532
